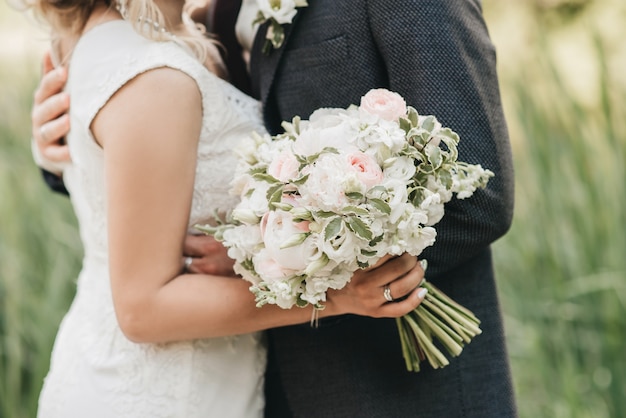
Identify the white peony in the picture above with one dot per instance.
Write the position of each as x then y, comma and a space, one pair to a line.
278, 228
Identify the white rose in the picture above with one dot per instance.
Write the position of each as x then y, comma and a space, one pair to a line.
400, 168
282, 11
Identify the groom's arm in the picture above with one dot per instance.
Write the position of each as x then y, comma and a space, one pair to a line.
439, 57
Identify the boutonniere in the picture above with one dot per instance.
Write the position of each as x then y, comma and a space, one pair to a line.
278, 13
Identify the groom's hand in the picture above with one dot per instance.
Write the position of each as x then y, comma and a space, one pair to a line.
205, 255
49, 118
366, 294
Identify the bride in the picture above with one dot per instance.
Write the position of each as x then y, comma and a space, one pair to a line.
153, 125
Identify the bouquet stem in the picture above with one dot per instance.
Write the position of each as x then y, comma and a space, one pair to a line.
437, 318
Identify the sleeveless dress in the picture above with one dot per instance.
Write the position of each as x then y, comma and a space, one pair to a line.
95, 371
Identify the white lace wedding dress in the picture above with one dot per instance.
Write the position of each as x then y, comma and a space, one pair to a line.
95, 371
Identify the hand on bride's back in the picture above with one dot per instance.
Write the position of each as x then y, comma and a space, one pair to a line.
208, 256
49, 118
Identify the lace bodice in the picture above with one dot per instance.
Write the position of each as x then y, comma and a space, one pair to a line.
95, 370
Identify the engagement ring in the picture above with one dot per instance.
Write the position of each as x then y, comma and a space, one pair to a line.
387, 293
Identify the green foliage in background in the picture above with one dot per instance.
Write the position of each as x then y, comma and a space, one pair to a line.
561, 269
39, 254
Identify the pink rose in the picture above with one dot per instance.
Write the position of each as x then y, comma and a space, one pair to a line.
284, 167
368, 171
383, 103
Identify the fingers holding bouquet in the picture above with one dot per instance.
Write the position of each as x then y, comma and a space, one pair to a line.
389, 289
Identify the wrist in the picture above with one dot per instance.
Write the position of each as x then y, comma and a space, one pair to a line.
331, 306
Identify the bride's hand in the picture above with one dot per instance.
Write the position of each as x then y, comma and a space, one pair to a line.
205, 255
49, 118
365, 294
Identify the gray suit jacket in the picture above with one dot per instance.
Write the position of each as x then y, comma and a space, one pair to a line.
437, 54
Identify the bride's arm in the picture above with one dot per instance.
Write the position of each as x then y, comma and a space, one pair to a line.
149, 132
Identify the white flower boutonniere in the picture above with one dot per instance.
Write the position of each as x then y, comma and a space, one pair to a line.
278, 13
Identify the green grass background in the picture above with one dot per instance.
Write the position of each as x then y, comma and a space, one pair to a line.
561, 268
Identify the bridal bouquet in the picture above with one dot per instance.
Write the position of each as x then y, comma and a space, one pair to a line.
337, 193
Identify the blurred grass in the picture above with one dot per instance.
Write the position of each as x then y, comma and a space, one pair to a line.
561, 269
39, 253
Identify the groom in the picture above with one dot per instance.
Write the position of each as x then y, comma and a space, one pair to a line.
436, 54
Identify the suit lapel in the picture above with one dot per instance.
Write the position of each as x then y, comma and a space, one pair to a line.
263, 67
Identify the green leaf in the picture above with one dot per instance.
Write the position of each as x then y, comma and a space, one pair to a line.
300, 181
446, 178
265, 177
359, 227
274, 194
376, 240
333, 228
355, 210
380, 205
326, 150
405, 124
429, 123
301, 303
355, 195
447, 132
434, 156
324, 214
412, 115
368, 253
278, 35
257, 170
362, 264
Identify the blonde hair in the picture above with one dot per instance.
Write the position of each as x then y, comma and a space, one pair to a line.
70, 17
148, 20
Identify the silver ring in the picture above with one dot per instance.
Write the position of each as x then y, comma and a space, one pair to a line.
188, 261
42, 133
387, 293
